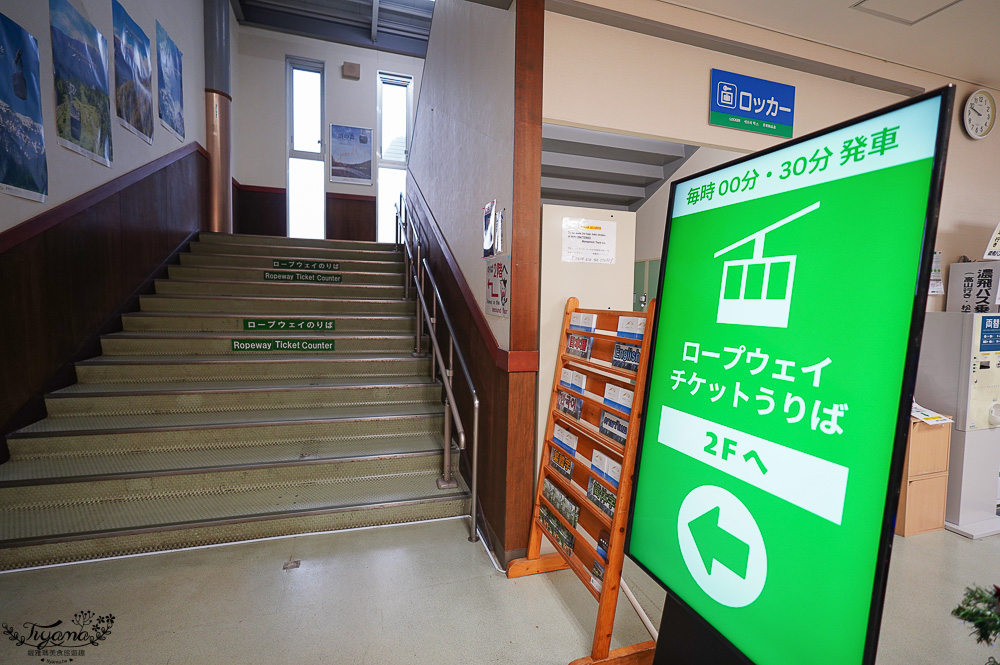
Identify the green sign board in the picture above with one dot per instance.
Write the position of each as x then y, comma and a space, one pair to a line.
781, 376
289, 324
283, 345
300, 264
295, 276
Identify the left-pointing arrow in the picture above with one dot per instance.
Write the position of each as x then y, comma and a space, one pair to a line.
716, 544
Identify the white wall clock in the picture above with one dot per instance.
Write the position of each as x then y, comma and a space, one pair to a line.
980, 114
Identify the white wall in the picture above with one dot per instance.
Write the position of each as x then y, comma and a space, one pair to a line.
651, 218
71, 174
642, 85
463, 143
604, 286
259, 134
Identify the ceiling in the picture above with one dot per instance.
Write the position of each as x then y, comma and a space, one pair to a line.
396, 26
953, 38
605, 170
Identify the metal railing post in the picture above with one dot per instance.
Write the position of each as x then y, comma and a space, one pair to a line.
446, 481
420, 310
474, 535
416, 268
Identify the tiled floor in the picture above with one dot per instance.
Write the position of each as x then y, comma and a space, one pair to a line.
415, 594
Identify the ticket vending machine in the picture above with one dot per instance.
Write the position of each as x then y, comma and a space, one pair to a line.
959, 375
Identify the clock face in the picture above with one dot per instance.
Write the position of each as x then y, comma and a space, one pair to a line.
980, 114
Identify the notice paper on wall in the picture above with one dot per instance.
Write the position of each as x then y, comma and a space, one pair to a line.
588, 241
498, 287
993, 247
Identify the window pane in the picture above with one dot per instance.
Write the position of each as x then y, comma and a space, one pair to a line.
306, 108
391, 183
306, 199
393, 129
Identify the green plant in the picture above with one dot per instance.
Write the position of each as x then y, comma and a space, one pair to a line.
981, 608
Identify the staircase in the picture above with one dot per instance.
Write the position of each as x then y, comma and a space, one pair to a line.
237, 404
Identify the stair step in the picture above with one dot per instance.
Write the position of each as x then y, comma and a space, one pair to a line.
292, 276
299, 252
270, 305
279, 241
252, 343
298, 263
139, 369
102, 434
167, 322
90, 399
75, 467
153, 516
276, 289
112, 488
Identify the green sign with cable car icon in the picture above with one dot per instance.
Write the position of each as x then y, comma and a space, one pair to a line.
778, 394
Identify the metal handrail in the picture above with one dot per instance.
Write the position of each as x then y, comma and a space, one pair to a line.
415, 271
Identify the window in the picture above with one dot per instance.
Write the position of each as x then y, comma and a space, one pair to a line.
306, 160
394, 102
394, 117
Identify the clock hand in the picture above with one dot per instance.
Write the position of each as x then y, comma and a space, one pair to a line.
975, 111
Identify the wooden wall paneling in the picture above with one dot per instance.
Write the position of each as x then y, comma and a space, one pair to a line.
65, 274
263, 211
21, 355
350, 217
520, 460
143, 238
526, 218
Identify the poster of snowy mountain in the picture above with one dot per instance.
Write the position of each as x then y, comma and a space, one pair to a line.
83, 98
170, 80
23, 169
133, 74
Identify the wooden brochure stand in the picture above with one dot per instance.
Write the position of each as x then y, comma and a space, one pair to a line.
585, 448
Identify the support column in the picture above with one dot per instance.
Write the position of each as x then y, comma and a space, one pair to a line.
218, 101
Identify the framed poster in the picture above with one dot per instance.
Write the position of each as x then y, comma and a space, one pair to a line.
133, 75
350, 154
170, 76
777, 409
83, 98
23, 168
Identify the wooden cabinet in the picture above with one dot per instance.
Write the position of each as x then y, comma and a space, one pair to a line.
924, 490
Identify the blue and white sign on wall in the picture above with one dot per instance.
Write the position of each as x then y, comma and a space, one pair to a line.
756, 105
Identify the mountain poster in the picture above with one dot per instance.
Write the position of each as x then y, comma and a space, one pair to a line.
23, 169
170, 80
133, 74
83, 99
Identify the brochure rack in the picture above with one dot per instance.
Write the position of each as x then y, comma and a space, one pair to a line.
585, 477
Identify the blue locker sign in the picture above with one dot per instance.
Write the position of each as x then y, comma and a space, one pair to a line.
752, 104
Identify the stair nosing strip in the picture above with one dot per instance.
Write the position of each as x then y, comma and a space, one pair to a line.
255, 268
201, 296
394, 252
179, 526
215, 334
168, 360
209, 426
263, 283
231, 315
288, 258
230, 391
128, 475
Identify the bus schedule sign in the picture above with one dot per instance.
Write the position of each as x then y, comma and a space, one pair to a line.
777, 402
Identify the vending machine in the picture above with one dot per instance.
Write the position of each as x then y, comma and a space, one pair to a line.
959, 375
